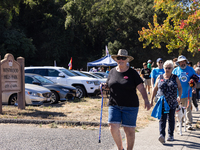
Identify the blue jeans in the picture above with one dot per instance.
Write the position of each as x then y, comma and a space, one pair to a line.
171, 120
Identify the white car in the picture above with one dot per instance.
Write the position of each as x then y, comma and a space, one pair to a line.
84, 85
34, 95
91, 74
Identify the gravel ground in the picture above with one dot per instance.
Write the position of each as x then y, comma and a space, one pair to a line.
31, 137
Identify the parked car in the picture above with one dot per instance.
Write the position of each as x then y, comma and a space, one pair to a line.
34, 95
91, 74
84, 85
102, 74
59, 92
88, 74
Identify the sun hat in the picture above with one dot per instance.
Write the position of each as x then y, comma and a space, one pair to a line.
159, 59
122, 52
181, 58
149, 61
197, 68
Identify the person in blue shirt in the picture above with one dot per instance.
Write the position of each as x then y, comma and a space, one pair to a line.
108, 70
184, 73
157, 71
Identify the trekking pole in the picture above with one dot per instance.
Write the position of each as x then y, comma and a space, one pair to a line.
101, 113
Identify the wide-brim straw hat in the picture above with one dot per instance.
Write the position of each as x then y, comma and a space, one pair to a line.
122, 52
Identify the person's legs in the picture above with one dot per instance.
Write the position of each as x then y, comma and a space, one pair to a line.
148, 87
171, 122
130, 137
129, 117
145, 84
115, 131
187, 104
162, 124
114, 120
184, 102
189, 113
194, 99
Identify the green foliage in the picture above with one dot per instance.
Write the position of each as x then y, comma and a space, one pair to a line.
180, 30
46, 30
17, 44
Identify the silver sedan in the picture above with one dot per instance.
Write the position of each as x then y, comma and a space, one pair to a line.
34, 95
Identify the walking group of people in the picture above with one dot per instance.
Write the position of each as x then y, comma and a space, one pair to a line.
172, 79
170, 86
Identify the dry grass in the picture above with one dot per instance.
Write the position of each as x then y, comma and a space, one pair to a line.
86, 109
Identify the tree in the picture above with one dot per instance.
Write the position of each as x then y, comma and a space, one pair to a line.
180, 30
13, 40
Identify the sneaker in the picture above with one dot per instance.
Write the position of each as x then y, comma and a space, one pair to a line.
190, 128
161, 139
170, 138
197, 109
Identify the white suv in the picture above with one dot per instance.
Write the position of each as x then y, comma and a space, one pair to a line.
84, 85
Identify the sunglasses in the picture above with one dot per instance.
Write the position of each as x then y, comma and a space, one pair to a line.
168, 68
160, 62
121, 57
144, 64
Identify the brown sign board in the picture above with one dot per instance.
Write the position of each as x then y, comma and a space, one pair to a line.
10, 74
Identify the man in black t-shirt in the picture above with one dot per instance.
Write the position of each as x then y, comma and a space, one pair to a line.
145, 73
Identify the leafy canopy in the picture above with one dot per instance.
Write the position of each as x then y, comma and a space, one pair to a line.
179, 30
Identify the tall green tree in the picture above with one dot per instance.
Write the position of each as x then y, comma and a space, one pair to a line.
13, 40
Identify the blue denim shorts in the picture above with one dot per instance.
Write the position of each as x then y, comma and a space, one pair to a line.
127, 116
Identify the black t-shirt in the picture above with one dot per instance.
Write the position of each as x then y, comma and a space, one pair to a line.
123, 87
146, 72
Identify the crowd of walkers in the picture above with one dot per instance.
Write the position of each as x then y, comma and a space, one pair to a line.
173, 82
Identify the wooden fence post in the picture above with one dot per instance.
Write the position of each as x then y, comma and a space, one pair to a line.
21, 95
0, 89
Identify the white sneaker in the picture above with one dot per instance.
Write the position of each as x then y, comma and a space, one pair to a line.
197, 109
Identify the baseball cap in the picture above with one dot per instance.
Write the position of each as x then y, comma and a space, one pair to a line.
159, 59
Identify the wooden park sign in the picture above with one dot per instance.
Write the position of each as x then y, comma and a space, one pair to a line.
12, 78
10, 74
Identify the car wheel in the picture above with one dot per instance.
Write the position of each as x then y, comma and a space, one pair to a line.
13, 100
54, 97
80, 92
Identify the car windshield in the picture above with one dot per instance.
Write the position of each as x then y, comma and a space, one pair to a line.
43, 80
104, 75
67, 72
90, 75
78, 73
97, 75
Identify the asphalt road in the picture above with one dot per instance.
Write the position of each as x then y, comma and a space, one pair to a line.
30, 137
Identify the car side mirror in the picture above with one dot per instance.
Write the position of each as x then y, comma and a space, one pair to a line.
61, 75
37, 83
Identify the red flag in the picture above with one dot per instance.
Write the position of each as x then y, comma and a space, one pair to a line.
70, 64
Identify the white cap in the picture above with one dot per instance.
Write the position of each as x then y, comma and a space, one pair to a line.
149, 61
